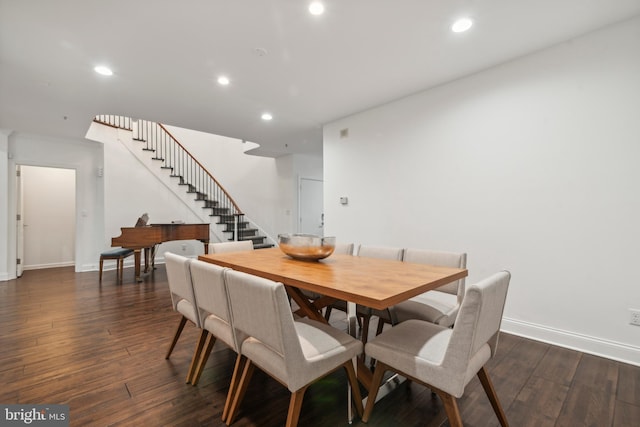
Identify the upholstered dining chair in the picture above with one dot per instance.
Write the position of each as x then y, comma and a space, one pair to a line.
294, 352
231, 246
446, 359
344, 248
438, 306
214, 312
381, 252
183, 299
365, 313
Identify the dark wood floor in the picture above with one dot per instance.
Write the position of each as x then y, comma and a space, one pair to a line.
65, 339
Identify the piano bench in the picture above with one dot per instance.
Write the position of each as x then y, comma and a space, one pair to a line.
119, 254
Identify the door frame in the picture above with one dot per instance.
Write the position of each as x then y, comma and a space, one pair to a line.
19, 218
19, 222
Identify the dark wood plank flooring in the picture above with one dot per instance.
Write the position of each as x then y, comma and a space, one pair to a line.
99, 348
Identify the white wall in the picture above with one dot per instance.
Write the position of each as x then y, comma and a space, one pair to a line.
113, 190
85, 157
132, 190
264, 188
531, 166
259, 185
49, 216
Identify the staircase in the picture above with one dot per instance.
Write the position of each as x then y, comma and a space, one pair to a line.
188, 173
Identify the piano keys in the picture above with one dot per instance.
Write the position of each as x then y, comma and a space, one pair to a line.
148, 238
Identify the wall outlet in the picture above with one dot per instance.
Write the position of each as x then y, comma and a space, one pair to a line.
635, 317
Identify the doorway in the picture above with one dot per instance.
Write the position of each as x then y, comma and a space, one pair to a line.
311, 206
46, 231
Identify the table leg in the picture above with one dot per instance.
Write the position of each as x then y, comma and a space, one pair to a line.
146, 259
306, 307
136, 255
352, 329
365, 376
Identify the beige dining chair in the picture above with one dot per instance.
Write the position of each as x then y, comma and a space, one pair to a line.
363, 313
446, 359
231, 246
438, 306
214, 312
183, 300
294, 352
344, 248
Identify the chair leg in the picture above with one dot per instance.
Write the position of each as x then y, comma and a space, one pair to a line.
355, 387
483, 375
373, 390
240, 392
327, 313
101, 264
451, 408
233, 387
202, 361
295, 404
183, 321
204, 335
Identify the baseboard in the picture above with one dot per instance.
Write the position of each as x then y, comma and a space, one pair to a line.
6, 276
51, 265
587, 344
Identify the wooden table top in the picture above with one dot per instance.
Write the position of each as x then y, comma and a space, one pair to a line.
372, 282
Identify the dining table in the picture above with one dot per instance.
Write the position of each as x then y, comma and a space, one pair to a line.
370, 282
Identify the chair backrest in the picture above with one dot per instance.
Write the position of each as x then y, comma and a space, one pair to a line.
213, 302
261, 310
477, 324
382, 252
441, 259
343, 248
180, 286
237, 246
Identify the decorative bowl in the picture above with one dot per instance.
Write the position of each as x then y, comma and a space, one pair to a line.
307, 247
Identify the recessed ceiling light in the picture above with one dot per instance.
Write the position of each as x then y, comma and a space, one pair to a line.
316, 8
105, 71
266, 117
461, 25
223, 80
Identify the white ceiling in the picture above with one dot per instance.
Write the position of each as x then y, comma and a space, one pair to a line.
167, 55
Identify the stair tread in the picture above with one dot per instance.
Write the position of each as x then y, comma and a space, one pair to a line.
263, 245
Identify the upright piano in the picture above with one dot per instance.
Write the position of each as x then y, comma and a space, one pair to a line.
148, 238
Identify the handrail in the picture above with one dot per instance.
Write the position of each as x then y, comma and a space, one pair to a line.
118, 122
235, 205
181, 163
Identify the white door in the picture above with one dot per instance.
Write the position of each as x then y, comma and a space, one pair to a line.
19, 224
311, 207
